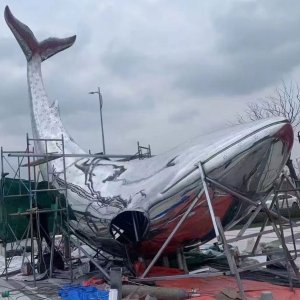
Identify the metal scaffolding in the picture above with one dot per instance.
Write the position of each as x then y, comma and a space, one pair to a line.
25, 164
272, 217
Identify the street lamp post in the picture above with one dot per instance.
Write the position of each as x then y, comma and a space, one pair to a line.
100, 103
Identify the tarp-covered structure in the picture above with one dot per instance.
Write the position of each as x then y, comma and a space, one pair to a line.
16, 198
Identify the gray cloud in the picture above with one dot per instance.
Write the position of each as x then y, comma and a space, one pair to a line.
124, 62
183, 116
257, 44
167, 70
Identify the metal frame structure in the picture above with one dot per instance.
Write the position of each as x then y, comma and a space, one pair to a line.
143, 152
277, 221
30, 160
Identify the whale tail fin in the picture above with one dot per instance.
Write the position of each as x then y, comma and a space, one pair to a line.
29, 43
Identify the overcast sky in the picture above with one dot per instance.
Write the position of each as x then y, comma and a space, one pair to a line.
168, 70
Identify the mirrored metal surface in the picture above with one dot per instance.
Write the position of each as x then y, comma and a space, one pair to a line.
138, 202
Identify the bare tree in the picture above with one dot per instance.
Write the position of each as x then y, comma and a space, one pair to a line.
284, 103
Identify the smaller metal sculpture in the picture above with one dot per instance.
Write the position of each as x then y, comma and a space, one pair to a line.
139, 202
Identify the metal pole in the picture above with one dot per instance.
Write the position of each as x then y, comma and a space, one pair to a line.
67, 241
101, 119
167, 241
93, 261
4, 213
5, 260
244, 198
101, 104
31, 213
270, 215
211, 209
231, 259
53, 239
265, 223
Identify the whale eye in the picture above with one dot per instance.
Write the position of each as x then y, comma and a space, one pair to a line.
171, 163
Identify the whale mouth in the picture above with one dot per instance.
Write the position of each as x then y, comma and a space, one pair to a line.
130, 226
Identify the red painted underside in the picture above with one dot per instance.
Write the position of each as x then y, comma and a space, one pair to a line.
197, 225
286, 134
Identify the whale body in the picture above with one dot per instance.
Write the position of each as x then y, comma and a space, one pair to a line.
137, 203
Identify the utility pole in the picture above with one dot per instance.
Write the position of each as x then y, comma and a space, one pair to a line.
101, 120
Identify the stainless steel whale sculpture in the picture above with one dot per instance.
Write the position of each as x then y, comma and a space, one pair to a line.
138, 202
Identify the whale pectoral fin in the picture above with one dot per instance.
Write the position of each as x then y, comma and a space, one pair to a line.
55, 104
29, 43
22, 33
51, 46
55, 108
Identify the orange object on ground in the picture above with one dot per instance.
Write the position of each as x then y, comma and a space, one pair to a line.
212, 286
92, 281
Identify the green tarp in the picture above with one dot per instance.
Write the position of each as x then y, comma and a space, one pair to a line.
15, 198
